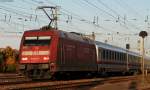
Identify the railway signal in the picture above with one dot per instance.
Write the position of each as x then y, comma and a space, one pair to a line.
142, 34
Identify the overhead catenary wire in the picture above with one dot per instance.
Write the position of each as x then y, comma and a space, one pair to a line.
133, 26
109, 14
75, 16
83, 20
129, 7
11, 12
78, 17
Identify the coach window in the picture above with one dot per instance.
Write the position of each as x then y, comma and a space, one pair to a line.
104, 54
101, 54
112, 55
120, 56
139, 58
115, 55
107, 54
133, 59
130, 58
124, 58
136, 59
112, 52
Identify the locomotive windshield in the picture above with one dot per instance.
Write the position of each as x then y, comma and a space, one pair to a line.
37, 41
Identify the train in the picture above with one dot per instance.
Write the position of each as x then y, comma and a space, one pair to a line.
49, 53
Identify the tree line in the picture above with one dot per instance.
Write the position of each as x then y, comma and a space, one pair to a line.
8, 59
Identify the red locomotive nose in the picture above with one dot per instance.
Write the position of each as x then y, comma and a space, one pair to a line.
35, 48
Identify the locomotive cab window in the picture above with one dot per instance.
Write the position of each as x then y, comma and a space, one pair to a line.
44, 40
37, 41
29, 41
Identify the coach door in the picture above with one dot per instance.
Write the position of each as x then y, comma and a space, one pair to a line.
99, 57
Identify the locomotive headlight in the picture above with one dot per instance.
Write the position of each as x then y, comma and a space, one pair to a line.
24, 58
46, 58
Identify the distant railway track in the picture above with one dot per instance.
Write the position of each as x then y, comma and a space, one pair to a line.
54, 85
8, 74
10, 78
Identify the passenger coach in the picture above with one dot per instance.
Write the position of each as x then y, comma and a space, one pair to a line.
115, 59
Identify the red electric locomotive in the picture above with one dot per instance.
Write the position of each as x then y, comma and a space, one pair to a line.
47, 53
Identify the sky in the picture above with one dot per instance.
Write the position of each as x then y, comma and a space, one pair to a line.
116, 22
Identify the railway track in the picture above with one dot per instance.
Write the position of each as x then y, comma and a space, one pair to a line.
10, 78
59, 85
